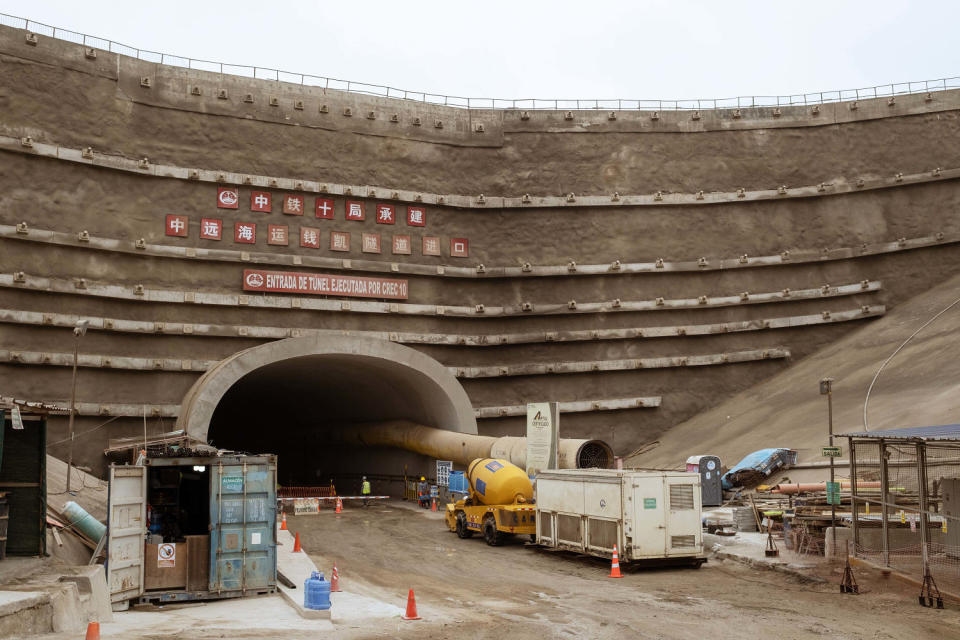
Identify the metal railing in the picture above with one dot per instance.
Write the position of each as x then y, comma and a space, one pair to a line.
617, 104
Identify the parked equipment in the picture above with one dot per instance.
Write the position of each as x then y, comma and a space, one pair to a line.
646, 515
499, 502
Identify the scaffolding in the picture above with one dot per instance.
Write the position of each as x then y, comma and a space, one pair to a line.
911, 522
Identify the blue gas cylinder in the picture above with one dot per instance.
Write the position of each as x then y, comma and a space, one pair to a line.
316, 592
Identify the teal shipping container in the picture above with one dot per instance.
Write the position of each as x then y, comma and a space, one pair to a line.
192, 528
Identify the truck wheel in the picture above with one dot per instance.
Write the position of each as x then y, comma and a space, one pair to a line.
462, 530
490, 533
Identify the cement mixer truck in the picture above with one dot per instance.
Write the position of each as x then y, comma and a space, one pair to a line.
499, 505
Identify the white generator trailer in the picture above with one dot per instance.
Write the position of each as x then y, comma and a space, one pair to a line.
651, 516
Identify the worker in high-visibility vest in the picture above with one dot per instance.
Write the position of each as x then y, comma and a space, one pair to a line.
365, 491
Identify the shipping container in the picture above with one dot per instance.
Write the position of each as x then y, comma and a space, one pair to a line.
648, 515
192, 528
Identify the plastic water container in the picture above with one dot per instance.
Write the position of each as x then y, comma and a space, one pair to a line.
316, 592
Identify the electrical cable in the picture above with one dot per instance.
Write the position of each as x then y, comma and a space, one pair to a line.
887, 361
83, 433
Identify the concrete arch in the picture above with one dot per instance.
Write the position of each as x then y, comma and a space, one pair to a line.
375, 378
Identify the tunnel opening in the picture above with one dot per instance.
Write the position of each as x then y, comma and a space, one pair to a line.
285, 397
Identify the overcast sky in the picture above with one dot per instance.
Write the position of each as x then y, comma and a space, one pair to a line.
559, 49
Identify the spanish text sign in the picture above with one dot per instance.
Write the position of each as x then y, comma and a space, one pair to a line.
324, 284
542, 436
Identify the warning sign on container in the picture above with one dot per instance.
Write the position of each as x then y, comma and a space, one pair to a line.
167, 555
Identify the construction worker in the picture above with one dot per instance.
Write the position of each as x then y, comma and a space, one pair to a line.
365, 491
423, 493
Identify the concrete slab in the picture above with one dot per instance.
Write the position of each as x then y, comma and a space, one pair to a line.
24, 613
92, 584
348, 606
14, 601
297, 567
748, 548
268, 616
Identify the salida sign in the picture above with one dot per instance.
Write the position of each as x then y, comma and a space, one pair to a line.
324, 284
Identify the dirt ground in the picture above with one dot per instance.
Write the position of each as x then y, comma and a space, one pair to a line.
466, 589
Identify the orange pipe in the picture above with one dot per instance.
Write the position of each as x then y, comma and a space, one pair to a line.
805, 487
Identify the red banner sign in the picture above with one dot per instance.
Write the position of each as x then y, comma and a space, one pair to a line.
324, 284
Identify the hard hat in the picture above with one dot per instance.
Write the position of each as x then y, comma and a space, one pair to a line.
422, 479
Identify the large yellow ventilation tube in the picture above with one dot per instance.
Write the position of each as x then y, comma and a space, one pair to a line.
463, 448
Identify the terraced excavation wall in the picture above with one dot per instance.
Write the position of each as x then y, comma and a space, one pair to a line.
636, 266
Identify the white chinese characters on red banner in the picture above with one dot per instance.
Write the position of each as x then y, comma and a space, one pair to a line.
228, 198
386, 214
401, 245
309, 237
177, 225
459, 248
370, 243
211, 229
245, 232
277, 234
339, 241
260, 201
324, 284
325, 208
431, 246
416, 217
354, 210
293, 205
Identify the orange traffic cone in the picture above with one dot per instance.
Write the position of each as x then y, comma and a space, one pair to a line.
93, 631
411, 613
433, 505
615, 565
335, 579
296, 543
339, 505
283, 523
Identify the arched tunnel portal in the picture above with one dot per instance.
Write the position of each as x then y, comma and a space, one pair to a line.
283, 397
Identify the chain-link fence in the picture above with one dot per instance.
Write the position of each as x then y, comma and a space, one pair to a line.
906, 507
618, 104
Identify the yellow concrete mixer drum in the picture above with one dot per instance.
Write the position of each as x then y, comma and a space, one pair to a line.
497, 481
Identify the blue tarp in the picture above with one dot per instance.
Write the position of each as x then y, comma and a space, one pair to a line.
756, 466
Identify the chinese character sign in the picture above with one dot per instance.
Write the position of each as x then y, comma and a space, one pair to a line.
325, 208
245, 232
260, 201
293, 205
227, 198
386, 214
277, 234
211, 229
459, 248
431, 246
354, 210
401, 245
416, 217
177, 225
309, 237
339, 241
371, 243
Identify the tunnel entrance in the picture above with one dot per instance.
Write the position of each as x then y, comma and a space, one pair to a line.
282, 398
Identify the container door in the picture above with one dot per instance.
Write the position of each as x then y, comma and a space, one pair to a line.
683, 516
126, 529
649, 528
243, 553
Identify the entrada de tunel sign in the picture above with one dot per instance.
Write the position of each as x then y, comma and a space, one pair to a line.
324, 284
